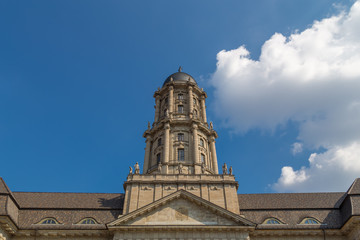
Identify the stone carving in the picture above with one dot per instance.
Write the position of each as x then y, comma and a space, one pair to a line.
230, 171
130, 170
211, 125
225, 169
203, 168
180, 168
149, 126
159, 167
137, 168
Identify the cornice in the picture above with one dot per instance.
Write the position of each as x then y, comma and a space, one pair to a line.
8, 225
54, 233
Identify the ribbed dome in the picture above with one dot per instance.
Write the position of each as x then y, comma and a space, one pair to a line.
180, 77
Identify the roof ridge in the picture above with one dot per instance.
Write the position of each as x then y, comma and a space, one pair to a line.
68, 192
3, 187
355, 187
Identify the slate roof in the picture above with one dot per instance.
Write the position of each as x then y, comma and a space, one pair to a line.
291, 200
43, 200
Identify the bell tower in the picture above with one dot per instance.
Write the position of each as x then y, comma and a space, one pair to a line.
180, 139
180, 152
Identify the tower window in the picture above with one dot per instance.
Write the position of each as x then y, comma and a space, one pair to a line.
158, 158
201, 142
180, 109
159, 142
180, 96
180, 137
202, 158
166, 100
181, 155
194, 100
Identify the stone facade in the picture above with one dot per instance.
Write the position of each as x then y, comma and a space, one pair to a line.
180, 193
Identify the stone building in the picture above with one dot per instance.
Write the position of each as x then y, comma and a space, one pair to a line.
180, 193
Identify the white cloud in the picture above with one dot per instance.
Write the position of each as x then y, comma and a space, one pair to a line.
296, 148
311, 77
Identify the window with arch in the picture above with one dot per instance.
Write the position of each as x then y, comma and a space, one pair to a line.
180, 137
194, 101
48, 221
87, 221
159, 142
158, 158
202, 158
272, 221
180, 96
309, 221
180, 109
202, 142
181, 155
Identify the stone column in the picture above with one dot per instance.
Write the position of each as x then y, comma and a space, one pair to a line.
171, 100
166, 148
147, 154
196, 149
203, 109
191, 103
213, 154
157, 108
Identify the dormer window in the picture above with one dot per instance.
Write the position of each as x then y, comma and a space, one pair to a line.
48, 221
272, 221
309, 221
87, 221
180, 96
180, 137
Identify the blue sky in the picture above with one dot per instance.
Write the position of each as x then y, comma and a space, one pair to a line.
77, 80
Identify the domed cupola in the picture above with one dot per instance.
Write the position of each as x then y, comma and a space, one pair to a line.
179, 77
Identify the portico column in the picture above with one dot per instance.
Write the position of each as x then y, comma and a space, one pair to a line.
157, 108
171, 100
166, 148
191, 104
196, 150
213, 155
147, 154
203, 109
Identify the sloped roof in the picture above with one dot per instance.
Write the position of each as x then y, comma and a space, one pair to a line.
355, 187
45, 200
3, 187
291, 200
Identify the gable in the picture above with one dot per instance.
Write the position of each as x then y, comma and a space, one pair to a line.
181, 212
181, 208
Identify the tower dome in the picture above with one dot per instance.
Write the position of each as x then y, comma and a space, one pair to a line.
179, 76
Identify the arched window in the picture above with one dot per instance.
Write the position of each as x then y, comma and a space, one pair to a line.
158, 158
87, 221
48, 221
181, 155
180, 137
194, 101
309, 221
272, 221
201, 142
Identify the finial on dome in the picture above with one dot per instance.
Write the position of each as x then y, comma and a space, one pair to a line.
180, 69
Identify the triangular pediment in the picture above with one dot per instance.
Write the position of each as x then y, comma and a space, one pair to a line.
181, 208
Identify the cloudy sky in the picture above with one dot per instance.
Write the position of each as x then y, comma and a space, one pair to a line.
282, 77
